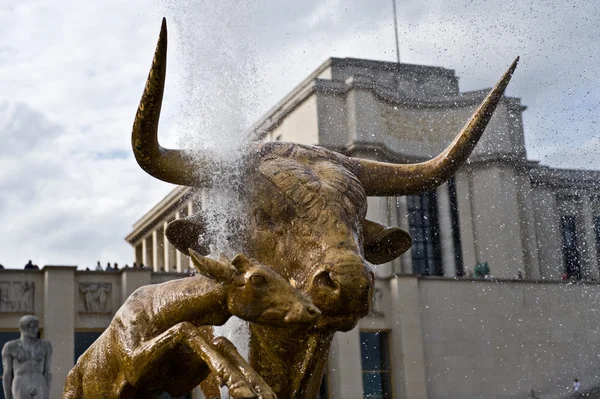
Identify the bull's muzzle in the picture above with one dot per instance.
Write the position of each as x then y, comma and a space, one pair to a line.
344, 288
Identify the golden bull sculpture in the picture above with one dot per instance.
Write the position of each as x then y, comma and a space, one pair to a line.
306, 221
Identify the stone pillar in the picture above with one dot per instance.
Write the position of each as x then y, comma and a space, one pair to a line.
527, 222
496, 218
166, 248
590, 252
405, 258
445, 225
154, 240
139, 253
59, 322
132, 279
549, 238
177, 253
345, 366
144, 252
159, 247
408, 366
148, 251
465, 219
394, 221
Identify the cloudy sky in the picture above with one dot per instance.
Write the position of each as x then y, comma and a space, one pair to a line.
72, 71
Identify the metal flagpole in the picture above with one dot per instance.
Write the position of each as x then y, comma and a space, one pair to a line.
396, 31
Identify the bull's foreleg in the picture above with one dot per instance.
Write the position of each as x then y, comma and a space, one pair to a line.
186, 335
228, 350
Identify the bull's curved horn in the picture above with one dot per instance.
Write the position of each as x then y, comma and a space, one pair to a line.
173, 166
383, 179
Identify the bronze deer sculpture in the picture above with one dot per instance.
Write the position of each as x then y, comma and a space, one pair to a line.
154, 343
306, 220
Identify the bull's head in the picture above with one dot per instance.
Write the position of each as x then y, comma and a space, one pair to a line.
307, 205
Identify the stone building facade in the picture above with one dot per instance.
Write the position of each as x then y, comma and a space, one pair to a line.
435, 332
500, 207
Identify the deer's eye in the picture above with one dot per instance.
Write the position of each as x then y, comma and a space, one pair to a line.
257, 280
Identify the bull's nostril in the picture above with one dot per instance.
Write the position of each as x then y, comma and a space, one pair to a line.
324, 279
313, 311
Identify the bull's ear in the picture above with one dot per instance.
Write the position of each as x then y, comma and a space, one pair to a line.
224, 259
185, 233
220, 271
241, 263
383, 244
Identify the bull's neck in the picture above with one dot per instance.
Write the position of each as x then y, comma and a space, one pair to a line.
292, 362
199, 300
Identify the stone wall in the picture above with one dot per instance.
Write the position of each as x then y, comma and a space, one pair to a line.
486, 339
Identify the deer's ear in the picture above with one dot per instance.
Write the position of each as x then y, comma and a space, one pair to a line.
224, 259
241, 263
211, 268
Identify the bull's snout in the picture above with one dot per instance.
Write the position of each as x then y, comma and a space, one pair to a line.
302, 314
343, 288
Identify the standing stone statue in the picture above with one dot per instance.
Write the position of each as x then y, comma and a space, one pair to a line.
26, 363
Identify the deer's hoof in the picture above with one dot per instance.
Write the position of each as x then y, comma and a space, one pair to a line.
242, 390
264, 392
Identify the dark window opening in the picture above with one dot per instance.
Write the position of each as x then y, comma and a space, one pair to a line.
376, 365
83, 340
570, 247
425, 232
456, 242
324, 388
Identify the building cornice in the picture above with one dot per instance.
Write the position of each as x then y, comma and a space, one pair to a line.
165, 206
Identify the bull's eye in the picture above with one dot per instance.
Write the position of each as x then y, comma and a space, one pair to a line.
257, 280
324, 279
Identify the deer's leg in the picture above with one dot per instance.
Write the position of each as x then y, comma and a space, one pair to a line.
185, 334
259, 385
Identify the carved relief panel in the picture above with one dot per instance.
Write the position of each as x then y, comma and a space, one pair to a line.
95, 298
17, 296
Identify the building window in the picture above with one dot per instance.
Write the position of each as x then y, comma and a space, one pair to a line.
324, 388
570, 247
456, 242
424, 229
376, 366
83, 340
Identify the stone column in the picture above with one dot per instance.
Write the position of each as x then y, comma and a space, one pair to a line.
139, 253
345, 366
527, 222
166, 248
590, 252
159, 247
445, 225
405, 258
408, 367
549, 238
148, 251
132, 279
154, 241
177, 253
465, 219
496, 212
59, 322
